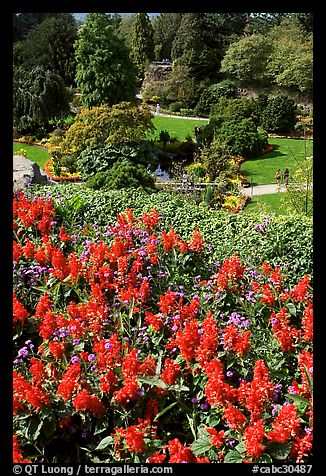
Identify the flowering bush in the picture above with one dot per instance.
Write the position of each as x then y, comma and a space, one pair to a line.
130, 346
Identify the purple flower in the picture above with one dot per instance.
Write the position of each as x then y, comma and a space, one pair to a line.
91, 357
23, 352
204, 406
74, 359
75, 341
229, 373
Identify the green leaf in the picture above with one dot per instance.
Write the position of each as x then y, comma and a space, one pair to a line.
265, 458
201, 445
101, 425
156, 382
309, 378
241, 448
233, 457
165, 410
298, 399
107, 441
279, 451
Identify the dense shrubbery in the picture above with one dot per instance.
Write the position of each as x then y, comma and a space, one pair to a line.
133, 344
123, 174
92, 161
212, 94
279, 115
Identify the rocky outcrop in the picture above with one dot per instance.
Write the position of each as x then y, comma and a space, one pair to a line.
26, 172
156, 75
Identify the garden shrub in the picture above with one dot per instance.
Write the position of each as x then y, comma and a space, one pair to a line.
279, 115
212, 94
288, 243
92, 161
122, 174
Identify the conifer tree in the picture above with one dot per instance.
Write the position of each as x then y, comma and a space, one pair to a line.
105, 71
142, 42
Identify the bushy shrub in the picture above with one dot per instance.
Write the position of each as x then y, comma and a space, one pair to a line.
279, 115
123, 174
212, 94
92, 161
243, 137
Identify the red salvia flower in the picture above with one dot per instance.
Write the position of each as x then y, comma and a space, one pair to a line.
170, 371
252, 437
217, 437
20, 313
17, 454
84, 401
286, 424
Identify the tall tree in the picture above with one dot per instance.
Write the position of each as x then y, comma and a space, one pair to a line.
50, 45
142, 42
105, 71
202, 40
166, 26
24, 22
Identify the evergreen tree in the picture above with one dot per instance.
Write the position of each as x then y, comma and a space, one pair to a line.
166, 26
105, 71
202, 40
38, 97
142, 42
50, 45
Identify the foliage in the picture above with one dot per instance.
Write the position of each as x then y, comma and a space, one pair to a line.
279, 115
180, 87
94, 160
281, 56
122, 174
142, 42
243, 137
202, 39
105, 72
23, 23
132, 344
299, 196
51, 46
165, 27
39, 96
122, 123
212, 94
247, 59
234, 121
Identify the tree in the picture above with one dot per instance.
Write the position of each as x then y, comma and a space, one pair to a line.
299, 196
165, 28
24, 22
105, 72
142, 42
50, 45
202, 40
290, 63
247, 58
38, 97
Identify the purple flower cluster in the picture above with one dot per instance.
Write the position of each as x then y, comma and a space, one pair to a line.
262, 227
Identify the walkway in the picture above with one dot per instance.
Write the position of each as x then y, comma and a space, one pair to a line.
263, 189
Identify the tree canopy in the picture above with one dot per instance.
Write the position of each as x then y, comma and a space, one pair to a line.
50, 45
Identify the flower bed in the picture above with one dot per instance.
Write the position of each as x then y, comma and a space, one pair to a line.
64, 176
117, 361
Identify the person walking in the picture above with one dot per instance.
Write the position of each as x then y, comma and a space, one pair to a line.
286, 176
278, 176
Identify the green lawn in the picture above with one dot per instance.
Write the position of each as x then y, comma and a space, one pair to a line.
269, 203
179, 128
286, 153
36, 154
